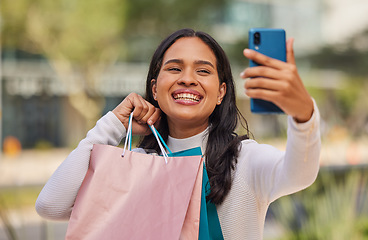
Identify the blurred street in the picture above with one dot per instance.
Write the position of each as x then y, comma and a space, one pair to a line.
32, 168
65, 63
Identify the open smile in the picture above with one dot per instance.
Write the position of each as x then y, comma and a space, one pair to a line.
187, 96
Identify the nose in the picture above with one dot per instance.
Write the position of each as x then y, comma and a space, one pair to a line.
187, 79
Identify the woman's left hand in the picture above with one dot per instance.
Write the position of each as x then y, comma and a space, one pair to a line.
279, 83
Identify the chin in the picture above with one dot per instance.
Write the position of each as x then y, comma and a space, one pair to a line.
187, 117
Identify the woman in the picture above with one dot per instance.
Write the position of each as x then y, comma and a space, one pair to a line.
190, 97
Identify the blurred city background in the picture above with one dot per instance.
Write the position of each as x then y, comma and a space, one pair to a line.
65, 63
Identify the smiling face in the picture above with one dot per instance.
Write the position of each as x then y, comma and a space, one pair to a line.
187, 88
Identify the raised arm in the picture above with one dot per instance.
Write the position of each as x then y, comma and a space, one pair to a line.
277, 173
299, 166
273, 173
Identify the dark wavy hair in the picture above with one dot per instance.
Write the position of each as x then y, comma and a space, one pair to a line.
223, 144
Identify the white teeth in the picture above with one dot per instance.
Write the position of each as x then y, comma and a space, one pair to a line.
187, 96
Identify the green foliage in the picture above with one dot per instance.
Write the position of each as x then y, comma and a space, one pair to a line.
346, 105
87, 31
13, 17
148, 22
235, 52
350, 57
82, 38
163, 16
347, 96
78, 38
43, 145
82, 32
18, 197
15, 198
334, 207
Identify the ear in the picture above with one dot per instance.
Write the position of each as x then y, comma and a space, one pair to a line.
221, 93
154, 88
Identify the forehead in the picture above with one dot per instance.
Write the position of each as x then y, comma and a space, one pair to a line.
190, 49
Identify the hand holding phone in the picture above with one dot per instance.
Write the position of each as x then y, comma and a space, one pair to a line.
277, 81
272, 43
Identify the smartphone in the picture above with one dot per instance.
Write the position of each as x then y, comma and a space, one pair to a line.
270, 42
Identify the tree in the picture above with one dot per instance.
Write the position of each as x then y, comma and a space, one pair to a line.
78, 38
350, 56
149, 21
81, 38
349, 102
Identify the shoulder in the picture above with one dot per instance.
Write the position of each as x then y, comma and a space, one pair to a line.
254, 148
254, 155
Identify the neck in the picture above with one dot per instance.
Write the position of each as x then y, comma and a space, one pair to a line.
199, 140
182, 130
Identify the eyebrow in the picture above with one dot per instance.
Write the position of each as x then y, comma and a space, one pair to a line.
197, 62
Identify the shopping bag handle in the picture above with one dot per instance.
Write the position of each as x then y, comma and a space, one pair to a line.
160, 140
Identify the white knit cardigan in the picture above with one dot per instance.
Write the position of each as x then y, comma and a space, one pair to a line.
263, 174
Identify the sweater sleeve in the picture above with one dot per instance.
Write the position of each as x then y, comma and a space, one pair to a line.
274, 173
57, 197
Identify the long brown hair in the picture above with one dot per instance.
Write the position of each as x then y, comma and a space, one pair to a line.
223, 143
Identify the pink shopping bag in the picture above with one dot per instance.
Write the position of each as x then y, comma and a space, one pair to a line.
137, 196
190, 229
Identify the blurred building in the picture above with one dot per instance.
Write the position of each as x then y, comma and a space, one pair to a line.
313, 23
36, 109
343, 19
35, 100
301, 19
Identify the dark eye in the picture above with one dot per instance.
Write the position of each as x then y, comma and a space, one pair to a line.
174, 69
204, 72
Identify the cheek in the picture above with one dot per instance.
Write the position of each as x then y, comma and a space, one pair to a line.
213, 90
162, 93
161, 85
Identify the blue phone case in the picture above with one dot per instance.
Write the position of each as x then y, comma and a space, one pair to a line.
272, 42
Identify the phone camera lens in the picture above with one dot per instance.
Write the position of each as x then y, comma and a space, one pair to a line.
257, 38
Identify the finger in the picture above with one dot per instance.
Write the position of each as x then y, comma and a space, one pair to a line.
264, 94
264, 83
123, 110
262, 71
140, 108
148, 114
143, 129
263, 59
155, 117
290, 58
